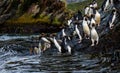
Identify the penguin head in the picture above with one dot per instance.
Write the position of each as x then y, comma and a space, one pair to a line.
92, 15
91, 5
92, 25
114, 10
85, 7
42, 35
85, 19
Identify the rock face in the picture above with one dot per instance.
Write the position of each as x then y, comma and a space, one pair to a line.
19, 15
34, 8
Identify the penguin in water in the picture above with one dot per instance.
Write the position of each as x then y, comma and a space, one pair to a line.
57, 45
94, 35
112, 18
38, 49
97, 17
85, 27
66, 46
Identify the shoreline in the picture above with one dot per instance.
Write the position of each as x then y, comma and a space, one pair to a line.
29, 28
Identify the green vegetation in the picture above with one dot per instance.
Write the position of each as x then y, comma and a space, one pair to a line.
80, 6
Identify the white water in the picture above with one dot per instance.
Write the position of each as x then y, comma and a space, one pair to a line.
7, 37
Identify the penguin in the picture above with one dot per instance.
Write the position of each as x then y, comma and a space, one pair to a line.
78, 33
97, 17
69, 22
92, 21
85, 27
106, 5
38, 49
94, 35
95, 5
112, 18
57, 45
63, 32
116, 4
45, 39
66, 45
86, 10
91, 10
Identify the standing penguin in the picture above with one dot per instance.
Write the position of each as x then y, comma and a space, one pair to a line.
86, 10
69, 22
112, 18
94, 35
97, 18
63, 32
106, 4
91, 10
95, 5
92, 21
85, 27
78, 33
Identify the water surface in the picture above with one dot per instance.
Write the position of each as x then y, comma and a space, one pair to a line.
16, 58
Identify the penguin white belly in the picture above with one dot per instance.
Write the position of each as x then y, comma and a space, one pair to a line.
78, 32
95, 5
57, 45
86, 11
63, 34
111, 23
94, 36
90, 12
45, 39
86, 29
97, 19
106, 5
69, 49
